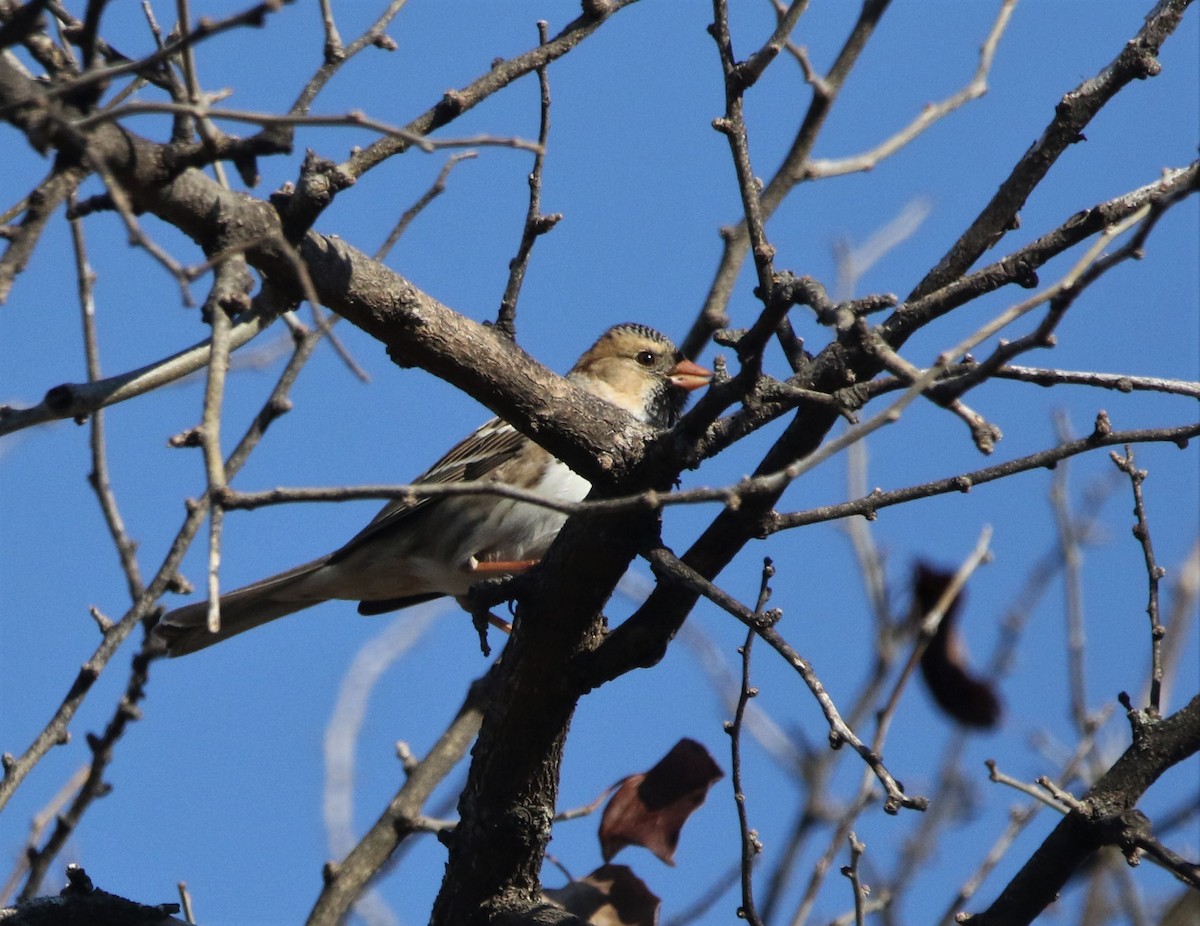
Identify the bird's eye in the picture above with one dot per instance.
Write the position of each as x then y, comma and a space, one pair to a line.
645, 358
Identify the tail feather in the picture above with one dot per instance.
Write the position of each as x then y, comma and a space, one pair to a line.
185, 630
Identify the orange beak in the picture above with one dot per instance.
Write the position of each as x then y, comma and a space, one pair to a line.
687, 375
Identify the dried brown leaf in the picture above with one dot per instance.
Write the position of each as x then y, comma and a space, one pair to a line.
969, 700
612, 895
650, 808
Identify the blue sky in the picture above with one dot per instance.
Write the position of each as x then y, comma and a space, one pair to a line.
220, 784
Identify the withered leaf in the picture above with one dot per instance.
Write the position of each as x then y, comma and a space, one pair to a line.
970, 701
650, 808
612, 895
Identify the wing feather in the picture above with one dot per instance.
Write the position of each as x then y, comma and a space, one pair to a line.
491, 445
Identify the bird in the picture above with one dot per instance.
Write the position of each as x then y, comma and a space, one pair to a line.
419, 550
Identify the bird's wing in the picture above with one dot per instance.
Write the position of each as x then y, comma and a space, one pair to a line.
492, 445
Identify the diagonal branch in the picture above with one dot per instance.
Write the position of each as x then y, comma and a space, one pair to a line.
1107, 816
1136, 61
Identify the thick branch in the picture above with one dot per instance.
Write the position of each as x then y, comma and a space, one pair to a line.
1107, 817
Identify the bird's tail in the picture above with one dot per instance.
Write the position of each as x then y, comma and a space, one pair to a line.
185, 630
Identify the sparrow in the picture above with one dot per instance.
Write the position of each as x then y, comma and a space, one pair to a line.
418, 550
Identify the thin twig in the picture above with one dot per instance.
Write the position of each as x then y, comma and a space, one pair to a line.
55, 732
536, 224
1121, 382
503, 72
976, 87
667, 565
78, 400
344, 881
820, 870
733, 126
214, 465
208, 132
1154, 573
336, 55
353, 119
99, 478
38, 825
868, 506
1069, 547
434, 191
766, 199
204, 30
865, 506
751, 846
1042, 793
1019, 818
860, 890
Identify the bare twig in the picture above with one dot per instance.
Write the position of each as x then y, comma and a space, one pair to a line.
434, 191
1154, 573
202, 111
345, 881
337, 54
667, 565
587, 810
869, 505
56, 730
208, 132
37, 827
861, 891
78, 400
38, 207
185, 901
98, 478
750, 843
502, 73
738, 240
214, 465
1038, 792
841, 832
750, 70
206, 29
94, 786
1136, 60
733, 126
536, 224
983, 433
1076, 638
1019, 818
976, 87
1121, 382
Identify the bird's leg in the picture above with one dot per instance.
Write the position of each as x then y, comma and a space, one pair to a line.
499, 567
